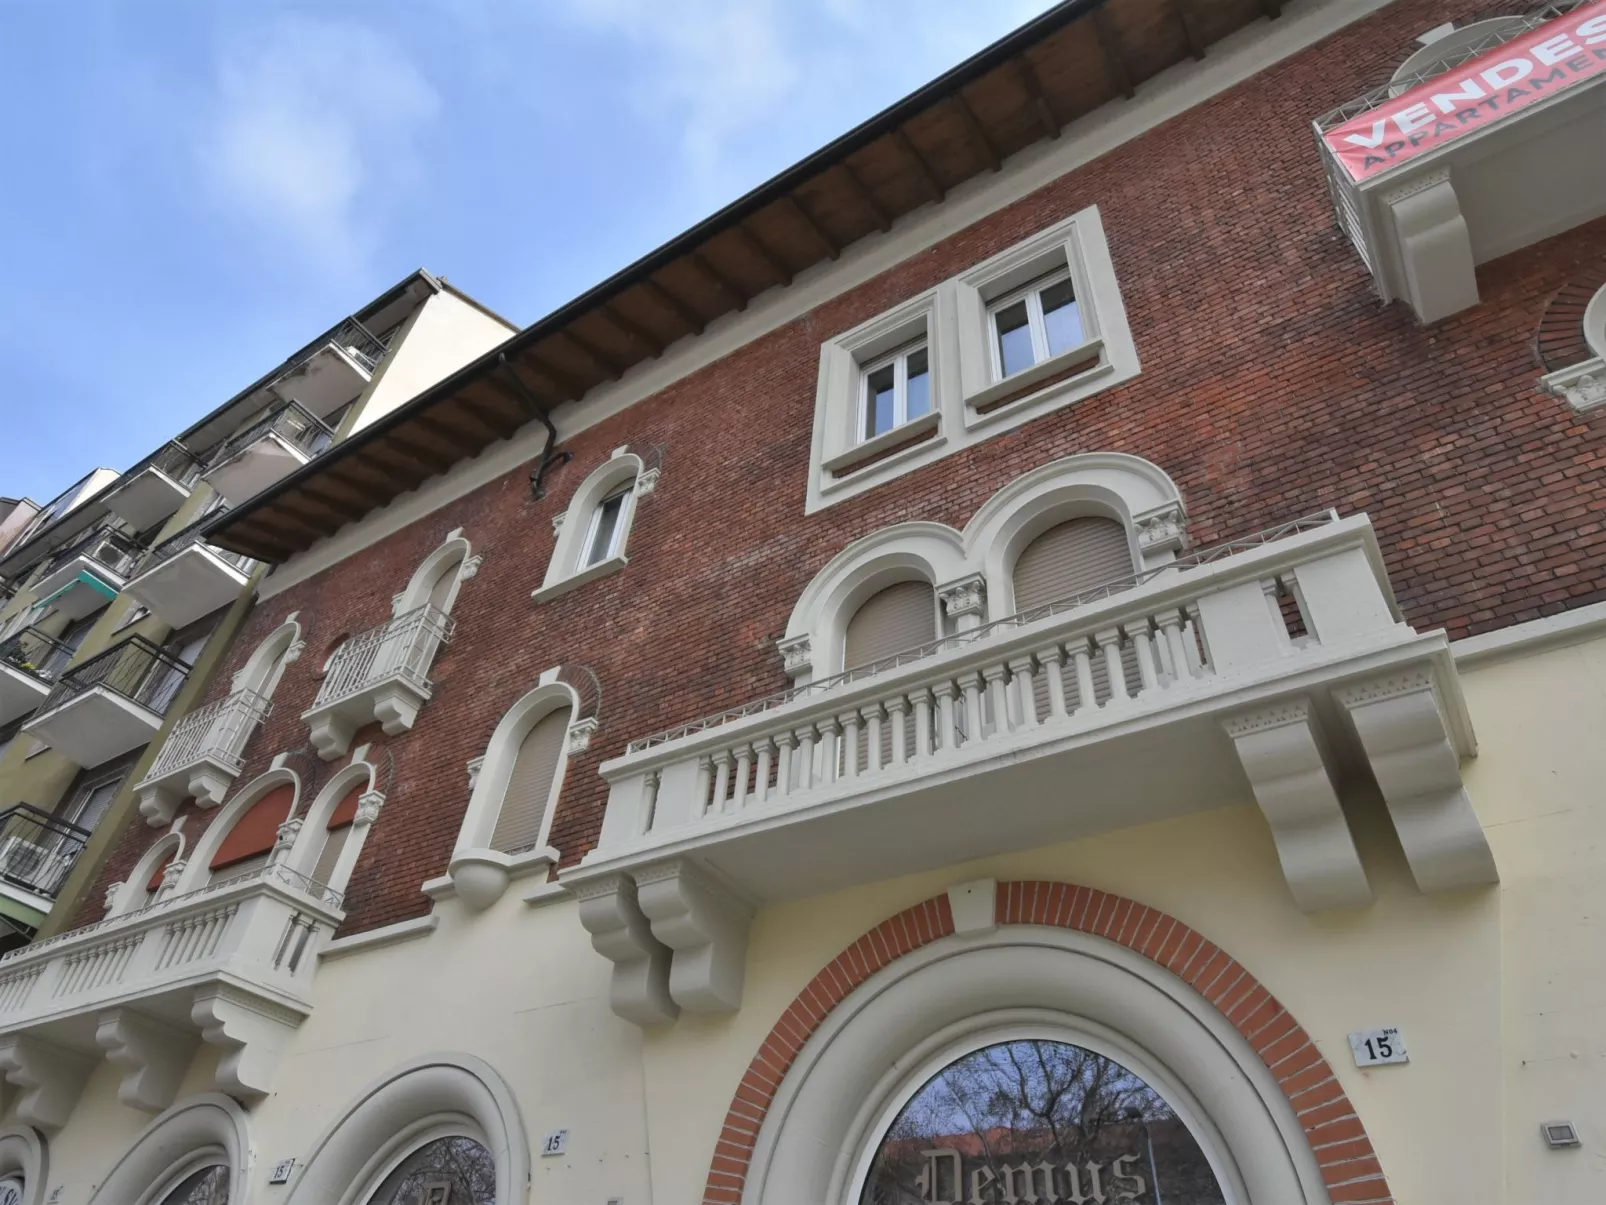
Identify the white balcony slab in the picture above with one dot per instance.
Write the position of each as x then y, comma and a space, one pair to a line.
255, 467
326, 380
95, 725
188, 585
146, 497
79, 588
20, 692
230, 965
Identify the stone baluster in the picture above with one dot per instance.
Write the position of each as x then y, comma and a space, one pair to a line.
766, 753
1148, 674
1190, 640
1023, 692
785, 741
897, 715
744, 774
946, 693
923, 745
1052, 660
996, 677
830, 741
805, 758
850, 743
722, 780
871, 715
705, 775
1176, 655
971, 684
1084, 675
1110, 642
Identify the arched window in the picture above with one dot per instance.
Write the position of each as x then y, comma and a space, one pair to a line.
208, 1185
1038, 1120
440, 590
892, 620
248, 844
525, 804
594, 529
336, 833
610, 521
451, 1170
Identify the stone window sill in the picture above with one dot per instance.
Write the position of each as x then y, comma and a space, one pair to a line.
871, 448
574, 581
1000, 397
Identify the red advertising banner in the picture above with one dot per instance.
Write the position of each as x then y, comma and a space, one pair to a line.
1560, 54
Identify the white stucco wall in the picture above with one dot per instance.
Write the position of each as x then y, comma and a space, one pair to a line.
447, 333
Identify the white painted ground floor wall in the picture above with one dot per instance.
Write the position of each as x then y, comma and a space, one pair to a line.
1500, 992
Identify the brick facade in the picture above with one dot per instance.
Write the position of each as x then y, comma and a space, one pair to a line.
1273, 385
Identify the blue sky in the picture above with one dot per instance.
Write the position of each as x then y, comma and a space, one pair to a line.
194, 189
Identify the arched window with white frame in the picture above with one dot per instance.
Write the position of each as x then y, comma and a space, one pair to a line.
593, 531
194, 1153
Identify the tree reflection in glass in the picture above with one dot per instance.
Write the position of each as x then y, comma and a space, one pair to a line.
447, 1171
1040, 1122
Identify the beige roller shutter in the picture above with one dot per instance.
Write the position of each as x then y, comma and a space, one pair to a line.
333, 842
518, 824
900, 617
1066, 560
442, 589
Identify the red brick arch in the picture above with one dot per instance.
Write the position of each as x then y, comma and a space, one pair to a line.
1343, 1151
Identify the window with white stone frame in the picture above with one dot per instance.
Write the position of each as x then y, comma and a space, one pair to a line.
593, 531
1033, 329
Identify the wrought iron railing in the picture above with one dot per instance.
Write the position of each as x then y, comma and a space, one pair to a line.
37, 850
190, 537
108, 547
173, 459
361, 344
290, 421
216, 732
402, 648
137, 669
37, 653
963, 639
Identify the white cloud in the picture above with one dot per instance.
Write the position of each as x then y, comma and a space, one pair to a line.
316, 123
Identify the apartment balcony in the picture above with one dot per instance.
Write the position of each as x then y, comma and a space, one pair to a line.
1483, 142
185, 578
111, 704
83, 577
37, 853
334, 371
155, 488
230, 965
30, 662
379, 675
1272, 669
273, 447
201, 757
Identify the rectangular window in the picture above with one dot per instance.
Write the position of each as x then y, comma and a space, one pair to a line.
608, 523
1035, 323
897, 390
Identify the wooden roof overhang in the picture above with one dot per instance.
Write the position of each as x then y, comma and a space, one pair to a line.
1079, 55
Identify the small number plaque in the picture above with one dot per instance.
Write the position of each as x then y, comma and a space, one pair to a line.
281, 1171
554, 1143
1374, 1047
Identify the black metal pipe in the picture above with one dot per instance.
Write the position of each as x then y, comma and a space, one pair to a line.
548, 456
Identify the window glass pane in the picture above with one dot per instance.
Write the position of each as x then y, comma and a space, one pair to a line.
878, 406
448, 1171
919, 387
208, 1187
1014, 339
1062, 317
607, 525
1038, 1121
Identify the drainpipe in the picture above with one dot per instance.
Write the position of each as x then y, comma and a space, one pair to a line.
548, 456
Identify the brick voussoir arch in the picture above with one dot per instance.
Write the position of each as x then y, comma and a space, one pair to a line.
1349, 1165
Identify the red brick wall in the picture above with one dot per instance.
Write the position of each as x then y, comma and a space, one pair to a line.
1273, 385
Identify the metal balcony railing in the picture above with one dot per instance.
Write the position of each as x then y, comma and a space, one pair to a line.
172, 458
189, 538
34, 652
402, 648
361, 344
137, 669
291, 422
108, 547
37, 850
216, 732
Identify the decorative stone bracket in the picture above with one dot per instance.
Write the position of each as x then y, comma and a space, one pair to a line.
622, 934
252, 1032
580, 734
1164, 529
50, 1077
1583, 386
964, 600
797, 655
154, 1055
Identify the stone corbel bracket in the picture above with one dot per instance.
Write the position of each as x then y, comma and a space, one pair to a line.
622, 934
964, 600
1583, 386
797, 657
705, 924
1281, 750
153, 1054
1161, 530
252, 1034
157, 805
1415, 751
51, 1078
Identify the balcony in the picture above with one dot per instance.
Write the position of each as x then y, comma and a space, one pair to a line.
110, 704
1432, 172
1273, 668
155, 488
30, 662
185, 578
273, 447
230, 965
201, 756
335, 370
378, 675
83, 577
37, 852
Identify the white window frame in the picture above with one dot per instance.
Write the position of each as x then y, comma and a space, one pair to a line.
616, 541
1036, 322
576, 526
899, 362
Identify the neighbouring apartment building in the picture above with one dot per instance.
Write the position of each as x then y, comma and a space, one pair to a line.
1054, 653
117, 610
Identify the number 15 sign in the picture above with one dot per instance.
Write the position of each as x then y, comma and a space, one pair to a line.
1373, 1047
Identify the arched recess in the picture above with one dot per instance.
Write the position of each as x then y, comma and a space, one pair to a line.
198, 866
439, 576
263, 668
987, 956
479, 873
624, 475
403, 1109
331, 833
25, 1156
208, 1126
816, 632
1132, 491
143, 885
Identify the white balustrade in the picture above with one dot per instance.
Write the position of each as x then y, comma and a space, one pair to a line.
381, 674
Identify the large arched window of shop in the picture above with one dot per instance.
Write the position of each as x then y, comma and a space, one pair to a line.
195, 1153
240, 842
507, 828
446, 1119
